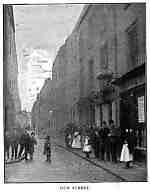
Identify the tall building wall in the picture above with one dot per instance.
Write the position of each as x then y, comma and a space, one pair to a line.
96, 53
11, 93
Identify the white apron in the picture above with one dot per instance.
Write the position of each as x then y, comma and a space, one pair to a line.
87, 147
76, 142
125, 155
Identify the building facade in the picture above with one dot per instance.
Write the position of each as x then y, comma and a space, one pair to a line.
12, 105
105, 73
99, 73
40, 114
131, 58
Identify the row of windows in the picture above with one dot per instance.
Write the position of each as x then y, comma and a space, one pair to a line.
12, 84
132, 39
58, 76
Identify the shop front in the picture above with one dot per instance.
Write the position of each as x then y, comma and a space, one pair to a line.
133, 104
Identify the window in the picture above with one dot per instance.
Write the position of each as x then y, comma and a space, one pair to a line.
133, 43
141, 111
104, 56
91, 72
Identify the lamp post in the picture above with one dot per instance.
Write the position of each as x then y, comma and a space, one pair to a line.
38, 124
50, 116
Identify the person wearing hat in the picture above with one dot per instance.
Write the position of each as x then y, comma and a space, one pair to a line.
31, 145
47, 149
7, 144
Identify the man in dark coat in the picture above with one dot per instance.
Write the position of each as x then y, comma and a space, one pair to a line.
114, 140
132, 141
47, 149
7, 144
31, 145
104, 141
96, 142
24, 144
14, 144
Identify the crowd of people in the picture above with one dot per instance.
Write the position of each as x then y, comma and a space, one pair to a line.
19, 146
106, 142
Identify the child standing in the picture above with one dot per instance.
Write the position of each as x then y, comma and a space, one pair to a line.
126, 156
87, 146
47, 149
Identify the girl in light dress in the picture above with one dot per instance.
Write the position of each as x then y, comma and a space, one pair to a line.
76, 143
87, 148
128, 148
126, 156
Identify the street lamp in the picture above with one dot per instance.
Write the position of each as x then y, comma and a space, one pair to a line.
38, 126
50, 115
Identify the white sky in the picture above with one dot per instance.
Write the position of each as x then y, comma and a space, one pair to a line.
40, 31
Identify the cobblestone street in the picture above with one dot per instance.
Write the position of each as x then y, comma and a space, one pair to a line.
65, 167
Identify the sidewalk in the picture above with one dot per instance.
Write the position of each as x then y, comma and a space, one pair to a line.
138, 172
14, 161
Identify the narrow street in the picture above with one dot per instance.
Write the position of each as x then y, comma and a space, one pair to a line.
65, 167
74, 74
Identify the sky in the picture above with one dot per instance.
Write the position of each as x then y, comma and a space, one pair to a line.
40, 31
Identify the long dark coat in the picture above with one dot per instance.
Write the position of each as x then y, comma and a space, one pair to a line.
47, 148
131, 139
31, 144
26, 140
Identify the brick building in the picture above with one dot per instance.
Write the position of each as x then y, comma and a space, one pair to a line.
12, 104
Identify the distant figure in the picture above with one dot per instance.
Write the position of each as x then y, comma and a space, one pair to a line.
24, 139
7, 144
14, 144
47, 149
31, 145
26, 144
